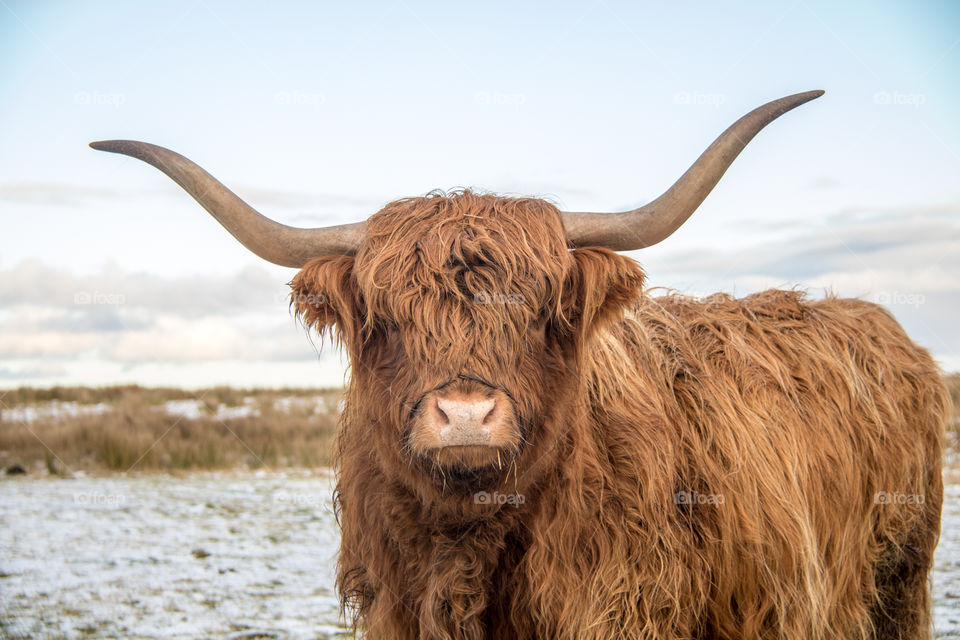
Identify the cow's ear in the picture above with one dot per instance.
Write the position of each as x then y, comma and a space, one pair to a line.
324, 297
599, 286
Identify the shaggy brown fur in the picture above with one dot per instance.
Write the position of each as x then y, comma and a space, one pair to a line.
689, 469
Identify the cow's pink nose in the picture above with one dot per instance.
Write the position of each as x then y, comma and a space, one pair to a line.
464, 422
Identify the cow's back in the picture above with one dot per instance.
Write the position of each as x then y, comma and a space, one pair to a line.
808, 436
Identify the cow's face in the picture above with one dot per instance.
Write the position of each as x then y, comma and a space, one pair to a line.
461, 314
464, 314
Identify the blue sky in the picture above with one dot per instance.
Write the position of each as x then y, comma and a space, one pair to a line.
320, 113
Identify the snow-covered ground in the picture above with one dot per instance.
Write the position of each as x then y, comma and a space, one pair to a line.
197, 409
946, 571
212, 556
52, 409
191, 408
200, 556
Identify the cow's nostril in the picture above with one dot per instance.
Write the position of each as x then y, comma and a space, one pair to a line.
487, 418
443, 418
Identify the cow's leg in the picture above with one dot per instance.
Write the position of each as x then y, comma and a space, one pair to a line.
902, 612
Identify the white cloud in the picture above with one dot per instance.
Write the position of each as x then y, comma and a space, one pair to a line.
57, 327
932, 279
41, 344
50, 193
176, 339
29, 372
112, 288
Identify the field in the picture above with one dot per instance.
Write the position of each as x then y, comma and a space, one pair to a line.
120, 529
66, 430
205, 555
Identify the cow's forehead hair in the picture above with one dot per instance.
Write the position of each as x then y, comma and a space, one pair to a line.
510, 246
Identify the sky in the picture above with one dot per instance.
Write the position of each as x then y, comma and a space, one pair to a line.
320, 113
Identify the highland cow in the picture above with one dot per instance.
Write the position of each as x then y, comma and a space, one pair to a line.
534, 447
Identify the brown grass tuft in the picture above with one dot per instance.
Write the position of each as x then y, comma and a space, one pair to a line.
134, 432
953, 426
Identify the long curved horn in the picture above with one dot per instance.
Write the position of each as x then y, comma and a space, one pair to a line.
651, 223
272, 241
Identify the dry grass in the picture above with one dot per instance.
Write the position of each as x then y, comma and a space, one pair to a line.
230, 396
133, 432
953, 431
